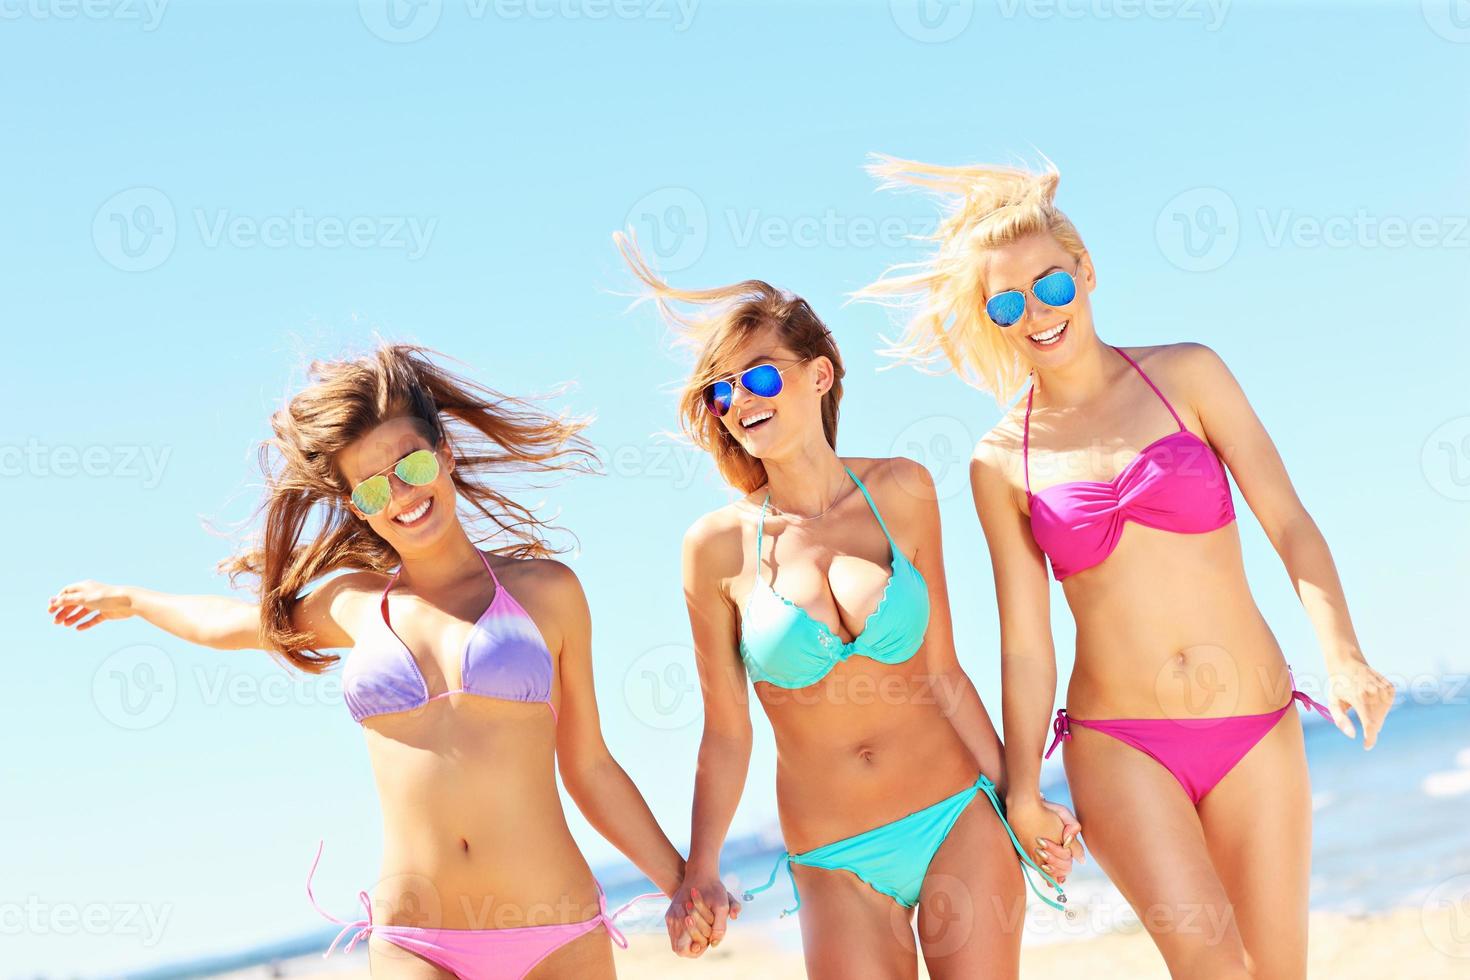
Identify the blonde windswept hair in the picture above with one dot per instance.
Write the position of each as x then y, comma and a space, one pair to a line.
943, 296
730, 315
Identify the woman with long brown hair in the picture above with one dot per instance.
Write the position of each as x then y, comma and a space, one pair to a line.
470, 671
1183, 754
824, 584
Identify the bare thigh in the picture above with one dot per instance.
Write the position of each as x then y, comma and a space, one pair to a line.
1258, 822
972, 908
387, 961
1147, 837
851, 932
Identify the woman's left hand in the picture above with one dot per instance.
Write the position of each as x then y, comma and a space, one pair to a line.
1351, 683
1056, 858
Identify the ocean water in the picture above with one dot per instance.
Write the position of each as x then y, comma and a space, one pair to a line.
1389, 825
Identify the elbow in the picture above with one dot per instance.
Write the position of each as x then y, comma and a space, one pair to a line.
1288, 535
726, 743
582, 771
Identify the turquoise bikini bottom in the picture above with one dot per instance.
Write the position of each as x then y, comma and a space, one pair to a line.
894, 858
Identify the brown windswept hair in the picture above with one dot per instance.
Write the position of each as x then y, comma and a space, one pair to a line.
309, 531
734, 313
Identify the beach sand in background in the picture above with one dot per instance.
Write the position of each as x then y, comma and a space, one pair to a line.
1405, 942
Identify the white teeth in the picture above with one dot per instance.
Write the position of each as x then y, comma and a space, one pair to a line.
408, 517
758, 417
1050, 336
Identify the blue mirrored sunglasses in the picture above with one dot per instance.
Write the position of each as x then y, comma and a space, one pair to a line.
763, 381
1054, 289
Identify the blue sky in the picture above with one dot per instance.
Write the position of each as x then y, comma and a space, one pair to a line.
199, 196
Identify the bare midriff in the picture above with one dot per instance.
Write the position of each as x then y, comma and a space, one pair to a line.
1167, 628
864, 746
473, 829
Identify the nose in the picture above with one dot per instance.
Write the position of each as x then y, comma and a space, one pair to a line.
1034, 306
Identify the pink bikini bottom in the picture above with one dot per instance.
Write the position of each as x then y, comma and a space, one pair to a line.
478, 954
1199, 752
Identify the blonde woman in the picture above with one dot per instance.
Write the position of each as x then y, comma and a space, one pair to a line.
470, 672
1185, 760
824, 583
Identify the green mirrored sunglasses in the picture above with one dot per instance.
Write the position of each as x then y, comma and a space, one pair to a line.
416, 469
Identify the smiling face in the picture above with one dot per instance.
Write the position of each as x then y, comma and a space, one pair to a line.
1045, 336
416, 516
771, 427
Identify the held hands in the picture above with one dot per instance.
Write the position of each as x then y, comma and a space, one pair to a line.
1351, 683
86, 603
697, 915
1049, 831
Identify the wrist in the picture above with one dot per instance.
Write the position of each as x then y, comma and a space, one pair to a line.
1343, 656
1021, 797
699, 865
670, 881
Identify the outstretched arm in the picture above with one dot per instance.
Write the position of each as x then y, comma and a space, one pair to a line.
1236, 433
218, 622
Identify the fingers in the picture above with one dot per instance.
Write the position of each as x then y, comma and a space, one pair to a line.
721, 912
1378, 699
678, 936
1340, 718
699, 927
72, 614
681, 938
1054, 859
701, 907
1071, 828
734, 905
1372, 713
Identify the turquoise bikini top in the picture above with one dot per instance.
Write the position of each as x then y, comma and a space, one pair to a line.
783, 645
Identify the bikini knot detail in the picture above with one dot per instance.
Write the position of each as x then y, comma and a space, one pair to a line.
1061, 731
364, 927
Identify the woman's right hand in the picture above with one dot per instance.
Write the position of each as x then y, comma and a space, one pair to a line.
698, 913
1049, 838
86, 603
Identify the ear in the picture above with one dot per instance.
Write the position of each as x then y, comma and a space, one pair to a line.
445, 454
823, 373
1087, 273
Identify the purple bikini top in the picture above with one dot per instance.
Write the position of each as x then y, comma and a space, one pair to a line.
1175, 483
504, 658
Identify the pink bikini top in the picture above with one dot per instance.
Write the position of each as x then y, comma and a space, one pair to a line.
504, 658
1176, 483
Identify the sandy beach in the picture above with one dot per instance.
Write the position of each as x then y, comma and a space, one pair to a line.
1405, 942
